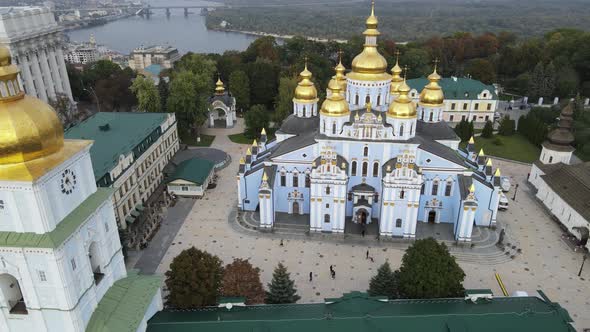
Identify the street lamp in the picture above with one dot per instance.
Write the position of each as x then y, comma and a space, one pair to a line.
581, 267
515, 190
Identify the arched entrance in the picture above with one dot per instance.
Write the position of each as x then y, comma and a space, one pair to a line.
362, 216
296, 208
432, 217
12, 295
94, 256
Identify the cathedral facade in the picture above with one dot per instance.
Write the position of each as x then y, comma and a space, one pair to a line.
369, 154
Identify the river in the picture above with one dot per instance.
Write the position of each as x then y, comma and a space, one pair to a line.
185, 33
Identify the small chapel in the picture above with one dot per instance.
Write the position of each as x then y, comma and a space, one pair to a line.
369, 155
222, 108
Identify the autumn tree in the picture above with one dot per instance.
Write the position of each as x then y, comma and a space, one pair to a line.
241, 279
281, 289
428, 270
148, 96
194, 279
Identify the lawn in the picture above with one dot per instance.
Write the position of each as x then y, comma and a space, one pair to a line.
206, 140
515, 147
242, 138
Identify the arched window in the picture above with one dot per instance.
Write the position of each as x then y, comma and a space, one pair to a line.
422, 115
431, 115
94, 256
367, 99
12, 294
402, 194
324, 126
401, 130
356, 99
550, 159
307, 181
412, 129
365, 168
327, 218
366, 151
379, 100
304, 111
353, 168
283, 180
295, 179
422, 189
334, 128
376, 169
327, 190
434, 187
448, 188
398, 223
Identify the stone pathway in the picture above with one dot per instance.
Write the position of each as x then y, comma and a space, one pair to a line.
546, 262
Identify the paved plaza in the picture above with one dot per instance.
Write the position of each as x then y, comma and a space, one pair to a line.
546, 262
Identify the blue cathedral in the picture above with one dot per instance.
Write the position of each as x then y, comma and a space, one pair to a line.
369, 155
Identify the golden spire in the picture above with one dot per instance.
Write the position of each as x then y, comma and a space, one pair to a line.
254, 144
264, 177
489, 163
472, 188
372, 21
248, 152
305, 90
242, 161
472, 140
497, 174
335, 104
219, 88
368, 106
432, 94
340, 77
481, 153
29, 128
396, 78
403, 106
263, 132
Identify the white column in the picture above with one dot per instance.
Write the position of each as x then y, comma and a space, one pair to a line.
25, 68
40, 87
63, 72
59, 84
49, 82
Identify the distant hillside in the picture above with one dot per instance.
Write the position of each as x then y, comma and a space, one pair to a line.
402, 20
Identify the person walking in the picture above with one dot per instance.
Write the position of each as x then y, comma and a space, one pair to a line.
281, 243
331, 269
333, 274
367, 254
310, 276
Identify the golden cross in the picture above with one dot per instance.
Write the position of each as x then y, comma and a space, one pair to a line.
340, 52
436, 61
405, 72
305, 58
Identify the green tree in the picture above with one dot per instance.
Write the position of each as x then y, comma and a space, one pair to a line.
164, 92
183, 100
114, 93
488, 130
241, 279
281, 289
428, 270
256, 119
239, 86
464, 129
148, 96
64, 109
263, 76
384, 283
507, 126
194, 279
197, 64
284, 101
482, 70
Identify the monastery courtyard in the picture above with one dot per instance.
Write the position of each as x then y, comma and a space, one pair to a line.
546, 261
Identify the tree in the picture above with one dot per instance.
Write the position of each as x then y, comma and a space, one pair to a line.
263, 77
114, 93
281, 289
194, 279
384, 283
241, 279
64, 109
164, 92
284, 101
239, 86
507, 126
464, 129
482, 70
198, 64
256, 119
429, 271
148, 96
488, 130
188, 100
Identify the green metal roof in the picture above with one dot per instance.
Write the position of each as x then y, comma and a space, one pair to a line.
124, 305
358, 312
193, 170
456, 88
63, 230
114, 134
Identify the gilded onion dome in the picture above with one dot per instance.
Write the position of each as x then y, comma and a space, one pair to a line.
335, 104
396, 79
29, 128
402, 106
305, 91
339, 78
219, 88
370, 65
432, 94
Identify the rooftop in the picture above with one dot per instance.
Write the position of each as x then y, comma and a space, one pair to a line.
358, 312
456, 87
114, 134
193, 170
572, 184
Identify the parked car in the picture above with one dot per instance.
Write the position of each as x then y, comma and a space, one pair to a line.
503, 204
505, 183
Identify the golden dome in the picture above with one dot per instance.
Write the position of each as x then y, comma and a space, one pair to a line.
305, 90
219, 88
339, 78
370, 61
372, 21
396, 78
402, 106
432, 94
29, 128
335, 104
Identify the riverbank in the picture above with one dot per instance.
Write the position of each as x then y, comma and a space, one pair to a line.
278, 36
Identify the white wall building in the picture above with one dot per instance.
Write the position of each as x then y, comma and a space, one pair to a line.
191, 178
82, 54
143, 57
35, 42
564, 189
60, 254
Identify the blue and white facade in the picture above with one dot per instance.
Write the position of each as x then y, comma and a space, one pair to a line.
375, 159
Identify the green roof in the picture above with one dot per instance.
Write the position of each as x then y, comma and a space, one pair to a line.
358, 312
114, 134
124, 305
456, 88
193, 170
63, 230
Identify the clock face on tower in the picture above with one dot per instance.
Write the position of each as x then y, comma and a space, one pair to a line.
68, 182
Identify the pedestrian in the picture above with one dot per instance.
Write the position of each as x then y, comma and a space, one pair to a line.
333, 274
372, 260
367, 254
363, 233
331, 269
310, 276
281, 243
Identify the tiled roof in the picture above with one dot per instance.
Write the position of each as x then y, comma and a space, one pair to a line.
359, 313
63, 230
572, 184
456, 88
114, 134
193, 170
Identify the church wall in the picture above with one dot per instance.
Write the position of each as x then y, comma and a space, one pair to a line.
378, 93
448, 212
567, 216
553, 157
282, 192
487, 201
